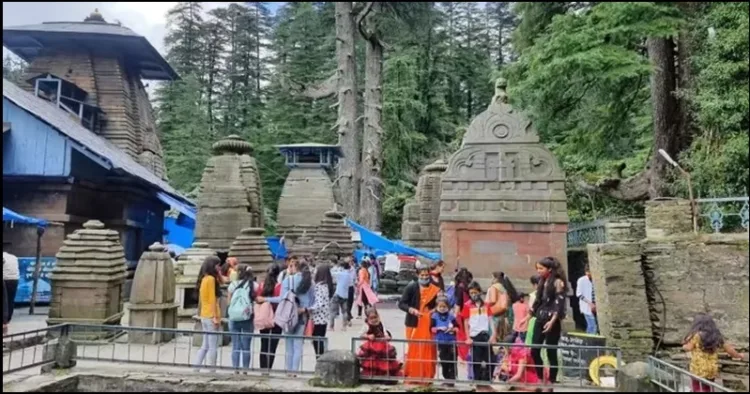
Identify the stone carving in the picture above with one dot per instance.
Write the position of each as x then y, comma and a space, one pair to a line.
186, 275
251, 249
502, 169
333, 237
304, 247
420, 227
88, 279
152, 297
230, 194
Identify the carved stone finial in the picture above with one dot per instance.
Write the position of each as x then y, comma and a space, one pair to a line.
93, 225
232, 144
501, 96
95, 17
156, 247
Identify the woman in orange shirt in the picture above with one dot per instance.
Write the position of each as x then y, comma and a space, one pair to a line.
364, 281
209, 311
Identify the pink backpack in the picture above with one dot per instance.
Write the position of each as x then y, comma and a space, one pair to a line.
264, 317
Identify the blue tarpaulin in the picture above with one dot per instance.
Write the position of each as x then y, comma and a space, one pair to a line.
278, 250
10, 216
378, 242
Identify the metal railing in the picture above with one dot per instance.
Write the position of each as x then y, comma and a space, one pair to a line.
387, 361
724, 214
30, 349
673, 379
265, 353
584, 233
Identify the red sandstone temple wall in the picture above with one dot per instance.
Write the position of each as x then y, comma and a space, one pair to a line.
512, 248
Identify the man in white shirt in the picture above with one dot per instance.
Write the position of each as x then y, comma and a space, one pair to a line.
10, 278
585, 294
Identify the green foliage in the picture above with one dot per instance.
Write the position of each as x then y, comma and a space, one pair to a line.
718, 158
13, 68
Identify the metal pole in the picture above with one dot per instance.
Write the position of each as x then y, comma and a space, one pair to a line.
37, 268
693, 208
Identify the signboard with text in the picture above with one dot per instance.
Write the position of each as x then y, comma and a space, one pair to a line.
26, 266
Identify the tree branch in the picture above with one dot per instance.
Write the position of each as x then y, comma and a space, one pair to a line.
634, 188
317, 90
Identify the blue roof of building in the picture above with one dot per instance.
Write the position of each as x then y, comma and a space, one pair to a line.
111, 156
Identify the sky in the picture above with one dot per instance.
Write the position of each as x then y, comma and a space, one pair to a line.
146, 19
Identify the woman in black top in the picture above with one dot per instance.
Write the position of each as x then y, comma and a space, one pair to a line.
549, 310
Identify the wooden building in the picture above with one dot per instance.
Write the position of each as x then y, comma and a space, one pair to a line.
93, 71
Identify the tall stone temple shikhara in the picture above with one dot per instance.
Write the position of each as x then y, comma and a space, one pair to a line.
93, 71
420, 226
502, 204
308, 191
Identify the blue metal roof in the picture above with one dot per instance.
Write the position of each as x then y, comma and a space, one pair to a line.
185, 209
111, 157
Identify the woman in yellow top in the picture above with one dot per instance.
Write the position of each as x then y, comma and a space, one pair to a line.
209, 311
703, 342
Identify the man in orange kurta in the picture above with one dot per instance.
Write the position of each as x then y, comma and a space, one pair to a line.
419, 300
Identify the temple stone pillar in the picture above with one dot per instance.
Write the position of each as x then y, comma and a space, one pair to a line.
152, 299
251, 249
186, 276
333, 237
230, 194
88, 279
503, 203
420, 227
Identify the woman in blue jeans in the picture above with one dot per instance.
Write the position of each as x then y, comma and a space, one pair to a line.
299, 281
245, 287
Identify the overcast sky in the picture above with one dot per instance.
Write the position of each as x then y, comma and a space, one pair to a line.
146, 19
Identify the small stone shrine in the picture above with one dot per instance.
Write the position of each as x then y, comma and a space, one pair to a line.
230, 194
88, 279
303, 247
420, 227
186, 275
333, 237
308, 190
251, 249
152, 302
502, 204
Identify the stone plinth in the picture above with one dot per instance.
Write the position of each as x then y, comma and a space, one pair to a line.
333, 237
337, 368
622, 304
504, 181
665, 217
303, 247
88, 279
251, 249
420, 227
186, 276
230, 194
152, 301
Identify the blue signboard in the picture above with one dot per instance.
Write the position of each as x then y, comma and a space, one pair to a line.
26, 267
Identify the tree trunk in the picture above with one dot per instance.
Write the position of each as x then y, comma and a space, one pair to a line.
348, 174
372, 185
666, 111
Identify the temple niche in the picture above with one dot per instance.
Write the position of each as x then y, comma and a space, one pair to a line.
230, 197
503, 203
308, 190
420, 227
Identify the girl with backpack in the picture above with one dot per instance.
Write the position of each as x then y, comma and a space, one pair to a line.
270, 339
292, 311
321, 308
209, 310
241, 295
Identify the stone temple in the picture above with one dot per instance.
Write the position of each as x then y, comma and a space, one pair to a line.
186, 271
333, 237
152, 300
251, 249
88, 279
308, 190
502, 204
230, 197
420, 227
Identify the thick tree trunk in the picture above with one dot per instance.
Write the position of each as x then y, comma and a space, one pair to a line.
372, 185
666, 111
348, 167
